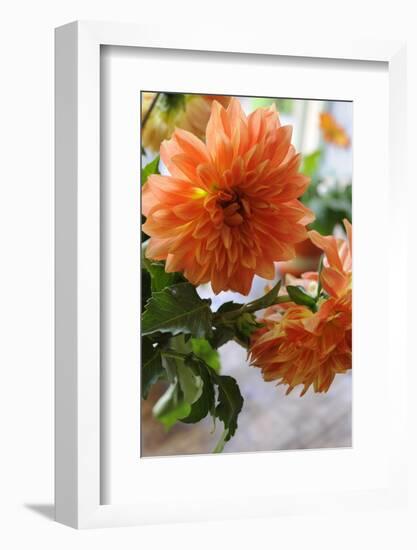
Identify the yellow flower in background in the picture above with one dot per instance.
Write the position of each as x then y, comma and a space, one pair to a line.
170, 111
332, 131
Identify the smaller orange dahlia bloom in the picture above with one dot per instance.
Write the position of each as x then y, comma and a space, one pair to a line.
230, 207
332, 131
296, 346
187, 111
336, 275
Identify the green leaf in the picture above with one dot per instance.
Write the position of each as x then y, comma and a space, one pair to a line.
143, 236
205, 404
221, 335
178, 309
230, 403
264, 301
151, 168
229, 306
160, 279
186, 389
301, 298
156, 269
146, 288
311, 163
152, 369
170, 407
236, 322
172, 102
202, 349
190, 383
229, 398
246, 324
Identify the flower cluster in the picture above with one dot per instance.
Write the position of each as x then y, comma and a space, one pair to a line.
301, 346
229, 198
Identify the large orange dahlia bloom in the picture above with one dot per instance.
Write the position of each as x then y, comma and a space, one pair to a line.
296, 346
229, 209
187, 111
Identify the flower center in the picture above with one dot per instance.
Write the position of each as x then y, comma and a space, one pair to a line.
233, 206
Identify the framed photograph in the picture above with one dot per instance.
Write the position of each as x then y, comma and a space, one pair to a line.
227, 214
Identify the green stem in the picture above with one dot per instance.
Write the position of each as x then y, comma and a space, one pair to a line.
148, 112
247, 308
319, 288
278, 300
220, 444
174, 354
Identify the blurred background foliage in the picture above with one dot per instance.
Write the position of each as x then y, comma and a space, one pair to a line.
321, 134
330, 205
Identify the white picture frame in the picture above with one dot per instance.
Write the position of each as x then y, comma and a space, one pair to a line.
78, 405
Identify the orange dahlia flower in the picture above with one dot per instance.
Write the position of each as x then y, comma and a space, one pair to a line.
336, 275
186, 111
332, 131
229, 208
296, 346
